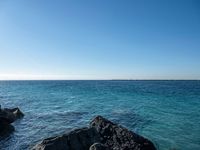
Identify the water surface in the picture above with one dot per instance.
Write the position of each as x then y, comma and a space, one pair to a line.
166, 112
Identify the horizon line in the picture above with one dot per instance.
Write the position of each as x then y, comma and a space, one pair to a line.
21, 77
99, 79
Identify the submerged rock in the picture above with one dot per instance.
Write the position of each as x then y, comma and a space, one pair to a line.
8, 116
102, 134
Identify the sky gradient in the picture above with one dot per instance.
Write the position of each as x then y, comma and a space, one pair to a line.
100, 39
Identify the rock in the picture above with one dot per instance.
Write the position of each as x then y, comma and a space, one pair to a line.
15, 112
119, 138
102, 134
5, 128
79, 139
8, 116
98, 146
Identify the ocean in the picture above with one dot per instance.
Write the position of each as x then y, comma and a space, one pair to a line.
166, 112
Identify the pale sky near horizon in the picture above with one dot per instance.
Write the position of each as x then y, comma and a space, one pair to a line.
93, 39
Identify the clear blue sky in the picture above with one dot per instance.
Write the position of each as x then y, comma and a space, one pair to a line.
100, 39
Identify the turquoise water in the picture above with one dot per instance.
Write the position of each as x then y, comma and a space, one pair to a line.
166, 112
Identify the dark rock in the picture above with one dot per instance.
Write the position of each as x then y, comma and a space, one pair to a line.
8, 116
79, 139
101, 135
98, 146
5, 128
16, 112
119, 138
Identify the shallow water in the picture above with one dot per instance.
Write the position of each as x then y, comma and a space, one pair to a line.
166, 112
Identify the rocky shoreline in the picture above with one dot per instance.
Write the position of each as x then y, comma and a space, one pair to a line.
7, 117
101, 134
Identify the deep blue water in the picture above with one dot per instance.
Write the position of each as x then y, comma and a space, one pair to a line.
166, 112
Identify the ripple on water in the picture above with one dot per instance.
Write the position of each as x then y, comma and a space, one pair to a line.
130, 119
167, 112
